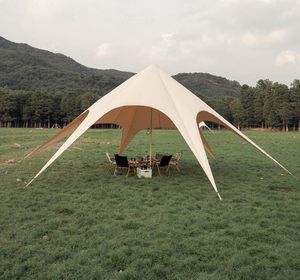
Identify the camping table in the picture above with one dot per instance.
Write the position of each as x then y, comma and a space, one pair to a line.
137, 162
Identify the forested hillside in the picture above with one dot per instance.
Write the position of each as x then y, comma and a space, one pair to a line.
40, 89
208, 85
26, 68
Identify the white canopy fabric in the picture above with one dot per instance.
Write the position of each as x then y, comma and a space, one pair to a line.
150, 99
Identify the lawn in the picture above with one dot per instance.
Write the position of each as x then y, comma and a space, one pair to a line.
76, 221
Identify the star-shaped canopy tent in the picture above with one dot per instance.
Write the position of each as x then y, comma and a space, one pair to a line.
149, 99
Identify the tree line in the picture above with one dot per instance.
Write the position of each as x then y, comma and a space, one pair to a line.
41, 109
268, 105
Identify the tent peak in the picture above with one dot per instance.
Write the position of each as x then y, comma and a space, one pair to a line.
152, 67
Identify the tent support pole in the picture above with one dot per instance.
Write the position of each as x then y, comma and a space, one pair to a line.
150, 156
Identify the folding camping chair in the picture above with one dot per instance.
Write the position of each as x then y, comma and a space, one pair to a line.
175, 161
122, 163
110, 162
163, 164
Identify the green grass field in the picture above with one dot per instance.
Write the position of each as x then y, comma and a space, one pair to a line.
76, 221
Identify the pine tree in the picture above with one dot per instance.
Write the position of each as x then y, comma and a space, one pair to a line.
260, 92
295, 102
237, 112
246, 98
282, 104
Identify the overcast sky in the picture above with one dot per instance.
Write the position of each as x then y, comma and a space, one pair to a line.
242, 40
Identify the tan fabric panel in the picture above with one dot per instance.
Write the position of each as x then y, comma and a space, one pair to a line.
133, 119
206, 146
110, 117
206, 116
128, 134
66, 131
137, 116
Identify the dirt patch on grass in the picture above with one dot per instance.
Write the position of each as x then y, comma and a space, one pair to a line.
259, 129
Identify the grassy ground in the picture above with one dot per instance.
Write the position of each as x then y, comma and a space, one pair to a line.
78, 222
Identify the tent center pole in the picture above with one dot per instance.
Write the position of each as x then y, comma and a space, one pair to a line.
150, 156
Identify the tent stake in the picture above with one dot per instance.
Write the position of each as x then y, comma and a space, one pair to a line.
29, 183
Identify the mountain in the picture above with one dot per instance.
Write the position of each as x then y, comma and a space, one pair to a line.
27, 68
208, 85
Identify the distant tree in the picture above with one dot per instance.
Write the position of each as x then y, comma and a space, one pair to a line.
246, 99
282, 104
8, 107
295, 102
70, 108
222, 106
56, 110
237, 112
86, 100
269, 111
27, 111
21, 97
40, 104
260, 92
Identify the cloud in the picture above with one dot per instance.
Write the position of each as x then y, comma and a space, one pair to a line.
103, 50
161, 49
271, 38
288, 58
42, 9
267, 2
167, 37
